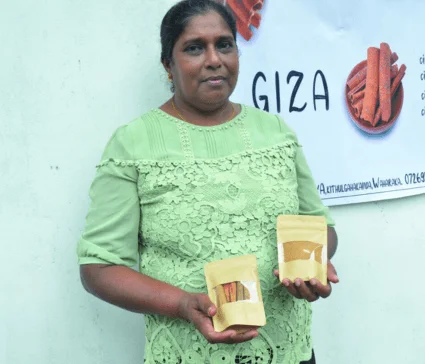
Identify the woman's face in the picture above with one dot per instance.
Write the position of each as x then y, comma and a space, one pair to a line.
205, 62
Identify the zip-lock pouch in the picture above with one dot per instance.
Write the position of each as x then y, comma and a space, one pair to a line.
302, 243
234, 288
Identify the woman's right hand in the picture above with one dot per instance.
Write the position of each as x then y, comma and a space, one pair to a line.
140, 293
198, 309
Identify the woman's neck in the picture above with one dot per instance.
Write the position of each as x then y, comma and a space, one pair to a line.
210, 115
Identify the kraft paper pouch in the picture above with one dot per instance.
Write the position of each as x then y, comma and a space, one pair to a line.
234, 287
302, 243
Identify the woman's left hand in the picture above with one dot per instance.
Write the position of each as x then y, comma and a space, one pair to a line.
313, 289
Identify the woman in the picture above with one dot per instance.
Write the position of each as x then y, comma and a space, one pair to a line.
197, 180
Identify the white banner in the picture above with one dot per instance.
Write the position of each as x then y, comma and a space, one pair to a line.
296, 59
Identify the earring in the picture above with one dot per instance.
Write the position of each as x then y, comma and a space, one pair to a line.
170, 78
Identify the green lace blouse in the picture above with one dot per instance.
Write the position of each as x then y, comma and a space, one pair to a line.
175, 196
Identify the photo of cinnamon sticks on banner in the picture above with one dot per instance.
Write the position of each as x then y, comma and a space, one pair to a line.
374, 88
247, 15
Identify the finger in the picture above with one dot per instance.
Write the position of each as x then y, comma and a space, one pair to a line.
214, 337
233, 338
332, 275
206, 306
246, 336
205, 326
320, 289
276, 273
291, 288
304, 291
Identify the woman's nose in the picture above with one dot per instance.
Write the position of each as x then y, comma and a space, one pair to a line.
213, 59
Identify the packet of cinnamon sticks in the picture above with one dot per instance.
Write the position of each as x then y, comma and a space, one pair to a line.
302, 243
234, 288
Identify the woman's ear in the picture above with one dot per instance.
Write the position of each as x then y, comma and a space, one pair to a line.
166, 65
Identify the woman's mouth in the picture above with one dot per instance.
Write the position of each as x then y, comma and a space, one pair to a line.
215, 81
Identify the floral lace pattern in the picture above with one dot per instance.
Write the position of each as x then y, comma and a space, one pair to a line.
196, 211
176, 196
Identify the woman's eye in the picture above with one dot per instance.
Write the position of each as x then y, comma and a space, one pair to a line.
225, 45
194, 48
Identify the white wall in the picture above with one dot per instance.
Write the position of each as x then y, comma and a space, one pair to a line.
71, 71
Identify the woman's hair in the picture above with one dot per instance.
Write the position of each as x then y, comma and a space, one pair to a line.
175, 21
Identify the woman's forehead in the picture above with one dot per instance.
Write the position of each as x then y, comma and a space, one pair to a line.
210, 24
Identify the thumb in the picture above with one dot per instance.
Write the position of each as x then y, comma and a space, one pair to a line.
206, 306
332, 275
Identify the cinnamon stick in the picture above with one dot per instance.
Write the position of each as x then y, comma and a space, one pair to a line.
356, 89
243, 30
242, 15
221, 295
356, 97
253, 4
357, 78
240, 11
394, 87
394, 71
384, 82
232, 290
358, 107
246, 294
394, 57
255, 19
226, 288
397, 80
372, 84
239, 291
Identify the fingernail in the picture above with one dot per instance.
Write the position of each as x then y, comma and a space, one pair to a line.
313, 282
209, 311
285, 283
297, 282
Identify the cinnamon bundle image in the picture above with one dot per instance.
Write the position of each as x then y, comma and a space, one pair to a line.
372, 89
246, 14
